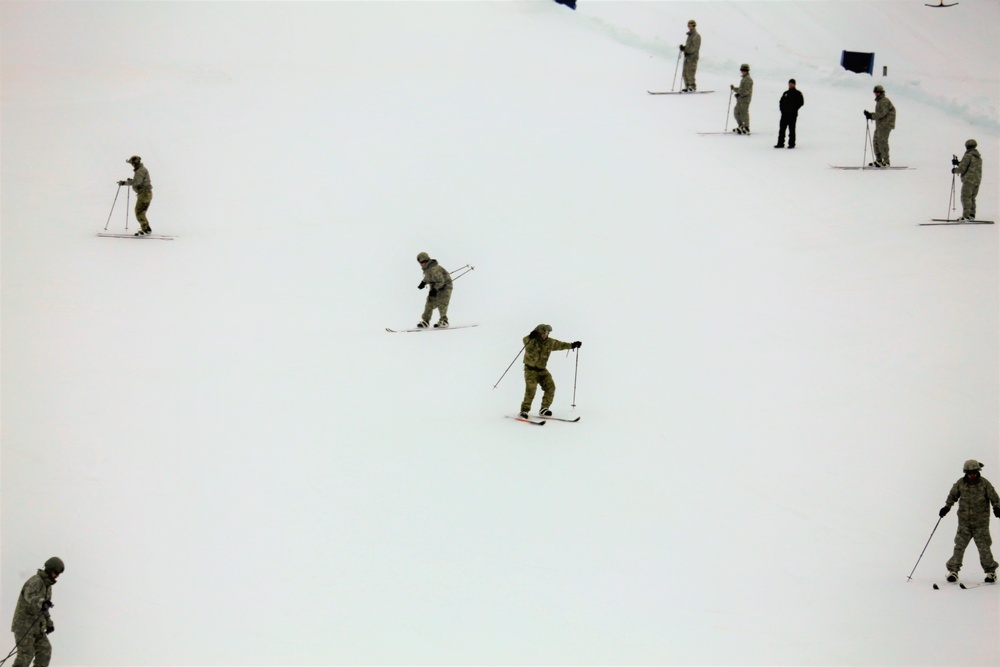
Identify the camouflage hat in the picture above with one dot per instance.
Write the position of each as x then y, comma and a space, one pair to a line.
134, 159
692, 23
971, 143
544, 328
972, 465
878, 89
423, 257
744, 67
55, 564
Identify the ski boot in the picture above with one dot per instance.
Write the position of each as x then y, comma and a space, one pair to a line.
952, 577
423, 324
544, 412
442, 323
522, 414
991, 578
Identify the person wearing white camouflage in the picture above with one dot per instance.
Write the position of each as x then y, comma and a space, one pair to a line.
970, 169
690, 49
743, 96
439, 294
885, 122
32, 623
537, 348
974, 495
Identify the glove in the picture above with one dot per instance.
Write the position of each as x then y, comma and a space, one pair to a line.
732, 88
47, 604
868, 114
682, 47
534, 334
121, 182
996, 512
944, 510
576, 345
433, 292
50, 629
422, 285
954, 160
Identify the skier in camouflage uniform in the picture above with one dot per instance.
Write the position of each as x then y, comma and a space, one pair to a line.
439, 294
971, 171
743, 96
690, 49
537, 348
143, 188
974, 495
32, 623
885, 122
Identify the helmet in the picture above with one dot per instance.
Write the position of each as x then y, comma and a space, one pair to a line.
971, 143
972, 465
55, 564
423, 257
744, 67
135, 159
692, 23
878, 89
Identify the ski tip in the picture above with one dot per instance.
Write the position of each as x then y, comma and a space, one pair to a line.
962, 586
936, 587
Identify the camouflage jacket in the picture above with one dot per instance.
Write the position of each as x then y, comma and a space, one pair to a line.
35, 591
537, 351
885, 113
974, 500
971, 167
140, 180
745, 89
693, 44
436, 277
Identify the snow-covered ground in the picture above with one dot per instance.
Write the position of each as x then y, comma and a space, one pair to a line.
781, 375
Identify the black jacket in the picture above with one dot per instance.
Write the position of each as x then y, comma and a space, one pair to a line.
790, 102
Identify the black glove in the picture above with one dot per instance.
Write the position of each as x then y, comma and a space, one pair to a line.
433, 292
47, 604
954, 160
576, 344
422, 285
682, 47
121, 182
996, 512
868, 114
49, 630
944, 510
534, 334
732, 88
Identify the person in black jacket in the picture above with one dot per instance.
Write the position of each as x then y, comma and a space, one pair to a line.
790, 102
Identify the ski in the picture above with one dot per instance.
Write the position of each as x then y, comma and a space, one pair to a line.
561, 419
460, 326
679, 92
871, 168
939, 221
161, 237
735, 134
527, 420
984, 583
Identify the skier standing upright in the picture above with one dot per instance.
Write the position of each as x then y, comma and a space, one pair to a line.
743, 96
439, 294
690, 49
537, 348
143, 188
970, 169
885, 122
32, 623
974, 495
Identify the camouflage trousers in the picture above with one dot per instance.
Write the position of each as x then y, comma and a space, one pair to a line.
981, 534
969, 191
33, 646
690, 66
439, 301
742, 113
142, 202
880, 141
532, 378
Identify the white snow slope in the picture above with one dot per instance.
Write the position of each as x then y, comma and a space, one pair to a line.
781, 376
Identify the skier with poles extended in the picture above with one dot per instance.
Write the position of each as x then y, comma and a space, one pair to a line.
32, 623
537, 348
439, 294
974, 495
970, 169
143, 188
885, 122
690, 49
743, 96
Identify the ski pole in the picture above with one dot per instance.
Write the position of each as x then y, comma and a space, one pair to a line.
674, 84
511, 364
925, 549
471, 268
576, 368
729, 106
864, 155
951, 199
128, 197
120, 189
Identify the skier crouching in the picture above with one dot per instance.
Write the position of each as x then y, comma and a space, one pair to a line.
537, 348
974, 495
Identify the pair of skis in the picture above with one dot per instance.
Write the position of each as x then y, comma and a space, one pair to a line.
943, 221
540, 421
460, 326
161, 237
965, 588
